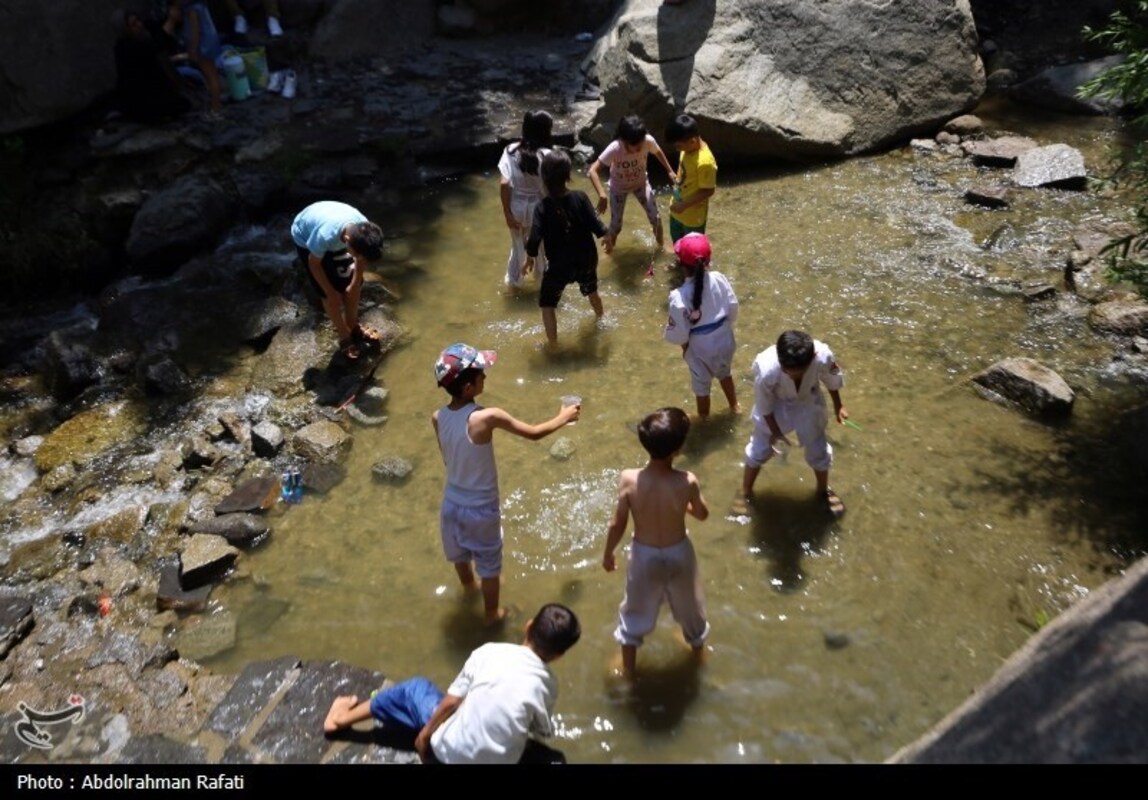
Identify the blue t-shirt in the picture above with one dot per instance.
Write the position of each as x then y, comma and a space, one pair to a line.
210, 45
319, 227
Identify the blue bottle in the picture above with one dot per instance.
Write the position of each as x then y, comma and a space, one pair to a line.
285, 487
296, 486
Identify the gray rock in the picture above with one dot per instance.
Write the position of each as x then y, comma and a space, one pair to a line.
199, 452
947, 137
1127, 316
241, 530
172, 596
965, 125
1056, 165
266, 439
205, 635
112, 573
988, 196
118, 527
15, 621
156, 748
251, 693
924, 145
322, 442
1030, 385
183, 219
349, 29
563, 448
204, 559
292, 351
1001, 78
1080, 683
69, 366
162, 376
864, 74
1038, 291
129, 652
1058, 88
58, 478
237, 428
27, 446
391, 469
999, 152
255, 494
322, 478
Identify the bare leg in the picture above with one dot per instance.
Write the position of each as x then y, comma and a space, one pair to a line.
608, 245
596, 303
748, 479
490, 591
465, 574
211, 75
351, 305
333, 305
550, 323
703, 407
629, 661
659, 235
730, 392
822, 476
345, 712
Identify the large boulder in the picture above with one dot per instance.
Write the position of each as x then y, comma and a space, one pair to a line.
1029, 384
1058, 88
351, 29
177, 222
789, 78
56, 60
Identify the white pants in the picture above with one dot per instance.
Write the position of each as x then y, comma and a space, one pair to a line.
522, 208
807, 420
654, 574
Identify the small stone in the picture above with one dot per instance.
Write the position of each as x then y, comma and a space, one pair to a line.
1038, 291
392, 469
563, 448
204, 559
59, 478
266, 439
988, 196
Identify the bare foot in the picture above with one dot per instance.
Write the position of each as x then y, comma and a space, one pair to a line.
619, 669
338, 711
735, 408
740, 507
501, 615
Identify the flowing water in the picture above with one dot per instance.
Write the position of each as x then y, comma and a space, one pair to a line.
969, 525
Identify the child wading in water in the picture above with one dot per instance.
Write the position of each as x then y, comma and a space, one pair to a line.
662, 563
626, 158
565, 221
521, 189
702, 313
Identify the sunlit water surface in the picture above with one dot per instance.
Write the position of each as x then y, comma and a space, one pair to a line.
968, 523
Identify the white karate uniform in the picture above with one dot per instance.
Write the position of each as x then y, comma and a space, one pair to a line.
526, 192
797, 409
711, 340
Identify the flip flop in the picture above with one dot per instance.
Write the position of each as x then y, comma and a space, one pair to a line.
836, 506
349, 350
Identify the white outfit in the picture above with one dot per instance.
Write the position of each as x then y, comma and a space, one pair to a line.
470, 522
711, 341
654, 574
526, 192
509, 696
799, 409
628, 176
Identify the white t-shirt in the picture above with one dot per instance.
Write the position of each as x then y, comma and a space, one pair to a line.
520, 182
718, 302
772, 387
509, 695
627, 170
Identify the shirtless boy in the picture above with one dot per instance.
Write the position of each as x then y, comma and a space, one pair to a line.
662, 563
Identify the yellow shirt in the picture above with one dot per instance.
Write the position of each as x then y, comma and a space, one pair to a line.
697, 169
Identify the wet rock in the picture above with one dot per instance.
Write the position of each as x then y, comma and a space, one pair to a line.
322, 478
172, 596
1127, 316
1058, 88
242, 530
115, 734
181, 220
924, 145
59, 478
112, 214
252, 691
204, 559
199, 452
129, 652
162, 376
88, 434
1030, 385
69, 366
255, 494
835, 640
999, 152
119, 527
965, 125
988, 196
236, 427
947, 137
156, 748
293, 349
266, 439
16, 621
563, 448
1056, 165
391, 469
206, 635
322, 442
349, 29
112, 574
1038, 291
27, 447
1001, 78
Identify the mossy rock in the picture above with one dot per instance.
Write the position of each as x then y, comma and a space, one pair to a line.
88, 434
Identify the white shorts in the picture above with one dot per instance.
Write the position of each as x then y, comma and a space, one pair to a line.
807, 421
709, 358
654, 574
473, 533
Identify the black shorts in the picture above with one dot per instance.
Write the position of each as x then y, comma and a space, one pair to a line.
338, 267
555, 280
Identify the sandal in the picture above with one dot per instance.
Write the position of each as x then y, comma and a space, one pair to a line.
349, 350
836, 506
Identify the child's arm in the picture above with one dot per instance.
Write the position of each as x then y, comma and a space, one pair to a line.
443, 711
838, 407
700, 196
482, 424
617, 528
315, 265
697, 506
665, 162
596, 180
434, 424
504, 193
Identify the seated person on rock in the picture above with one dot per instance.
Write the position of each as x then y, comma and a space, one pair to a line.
147, 86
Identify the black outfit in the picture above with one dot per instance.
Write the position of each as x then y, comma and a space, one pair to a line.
567, 226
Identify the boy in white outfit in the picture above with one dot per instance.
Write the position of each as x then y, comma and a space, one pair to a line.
787, 399
626, 158
471, 517
662, 563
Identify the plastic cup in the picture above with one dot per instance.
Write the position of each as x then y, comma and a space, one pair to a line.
571, 400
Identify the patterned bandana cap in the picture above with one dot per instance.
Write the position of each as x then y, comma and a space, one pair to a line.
457, 358
693, 249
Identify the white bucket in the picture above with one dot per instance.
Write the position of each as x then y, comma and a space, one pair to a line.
235, 73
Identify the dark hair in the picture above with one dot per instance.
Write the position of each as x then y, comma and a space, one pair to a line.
554, 630
631, 130
680, 128
468, 375
556, 172
536, 133
367, 240
795, 349
697, 271
664, 432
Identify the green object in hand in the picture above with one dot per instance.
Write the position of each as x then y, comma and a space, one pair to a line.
852, 424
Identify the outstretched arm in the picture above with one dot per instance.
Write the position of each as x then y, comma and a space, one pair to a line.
443, 711
482, 424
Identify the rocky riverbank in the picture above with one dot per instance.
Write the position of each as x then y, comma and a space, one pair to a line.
140, 469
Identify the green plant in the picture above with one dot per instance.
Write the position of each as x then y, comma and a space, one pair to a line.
1127, 34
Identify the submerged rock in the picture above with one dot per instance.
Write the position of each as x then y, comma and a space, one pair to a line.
1029, 384
322, 442
392, 469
